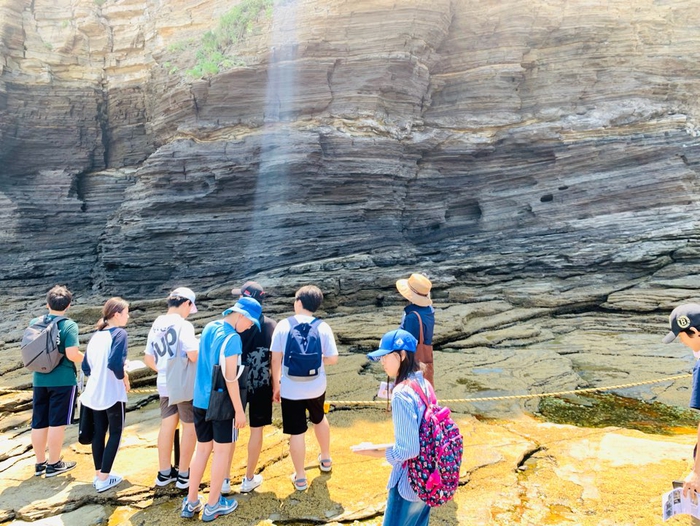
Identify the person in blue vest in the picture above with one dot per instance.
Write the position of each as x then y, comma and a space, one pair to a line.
419, 312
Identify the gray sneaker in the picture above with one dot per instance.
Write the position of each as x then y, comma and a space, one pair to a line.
59, 467
223, 507
39, 468
189, 510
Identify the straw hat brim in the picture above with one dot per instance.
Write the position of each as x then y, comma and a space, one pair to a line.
404, 289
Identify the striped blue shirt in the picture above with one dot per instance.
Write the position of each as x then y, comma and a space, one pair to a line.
407, 413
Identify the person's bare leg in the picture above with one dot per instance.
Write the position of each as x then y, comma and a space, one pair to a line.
197, 467
323, 435
55, 443
230, 461
219, 468
254, 448
166, 435
297, 450
40, 438
188, 443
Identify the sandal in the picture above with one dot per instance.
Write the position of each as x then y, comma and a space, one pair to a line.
299, 484
325, 465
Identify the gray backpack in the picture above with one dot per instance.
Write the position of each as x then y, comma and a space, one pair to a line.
40, 345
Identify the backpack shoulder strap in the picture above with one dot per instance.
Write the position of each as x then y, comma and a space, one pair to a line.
428, 399
222, 357
420, 328
55, 319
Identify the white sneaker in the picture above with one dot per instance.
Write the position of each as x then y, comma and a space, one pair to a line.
109, 482
249, 485
226, 487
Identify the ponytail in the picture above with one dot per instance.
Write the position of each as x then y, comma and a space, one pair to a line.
111, 307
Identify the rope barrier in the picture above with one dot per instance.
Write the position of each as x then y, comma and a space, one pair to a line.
533, 395
151, 390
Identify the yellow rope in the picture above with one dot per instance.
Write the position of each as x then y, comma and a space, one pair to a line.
534, 395
151, 390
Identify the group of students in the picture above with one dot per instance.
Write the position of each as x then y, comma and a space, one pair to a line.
243, 336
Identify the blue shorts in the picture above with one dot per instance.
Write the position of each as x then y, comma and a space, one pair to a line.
52, 406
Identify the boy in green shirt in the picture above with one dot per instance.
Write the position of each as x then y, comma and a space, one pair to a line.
54, 392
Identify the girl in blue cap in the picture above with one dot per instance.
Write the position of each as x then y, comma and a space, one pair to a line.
397, 353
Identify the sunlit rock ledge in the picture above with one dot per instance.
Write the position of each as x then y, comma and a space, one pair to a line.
519, 471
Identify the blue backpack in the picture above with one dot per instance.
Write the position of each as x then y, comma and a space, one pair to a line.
303, 355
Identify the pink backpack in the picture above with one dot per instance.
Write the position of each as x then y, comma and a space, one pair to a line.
434, 473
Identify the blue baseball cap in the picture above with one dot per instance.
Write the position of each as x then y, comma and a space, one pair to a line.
249, 308
396, 340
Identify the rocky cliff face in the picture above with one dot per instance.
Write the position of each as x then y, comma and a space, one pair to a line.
348, 142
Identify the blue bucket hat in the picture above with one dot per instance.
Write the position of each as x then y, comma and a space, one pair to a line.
249, 308
396, 340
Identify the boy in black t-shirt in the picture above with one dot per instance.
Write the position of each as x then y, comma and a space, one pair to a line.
255, 386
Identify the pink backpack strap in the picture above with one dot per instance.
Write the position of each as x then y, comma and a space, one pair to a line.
431, 393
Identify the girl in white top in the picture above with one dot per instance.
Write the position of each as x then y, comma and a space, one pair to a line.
105, 392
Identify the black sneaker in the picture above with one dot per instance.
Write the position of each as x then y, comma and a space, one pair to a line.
164, 480
39, 468
59, 467
183, 481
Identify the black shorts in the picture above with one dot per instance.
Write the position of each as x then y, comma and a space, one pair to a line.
220, 431
260, 411
52, 406
294, 414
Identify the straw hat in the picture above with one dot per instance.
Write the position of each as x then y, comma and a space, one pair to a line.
416, 289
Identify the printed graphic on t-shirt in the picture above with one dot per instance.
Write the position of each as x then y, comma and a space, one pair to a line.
165, 343
258, 363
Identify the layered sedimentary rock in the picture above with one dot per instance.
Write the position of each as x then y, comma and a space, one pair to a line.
483, 142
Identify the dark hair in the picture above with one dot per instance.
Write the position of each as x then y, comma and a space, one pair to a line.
176, 301
407, 367
59, 298
310, 297
111, 307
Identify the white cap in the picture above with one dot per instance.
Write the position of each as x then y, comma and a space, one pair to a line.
188, 294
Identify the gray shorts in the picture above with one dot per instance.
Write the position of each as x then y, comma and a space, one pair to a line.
184, 409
